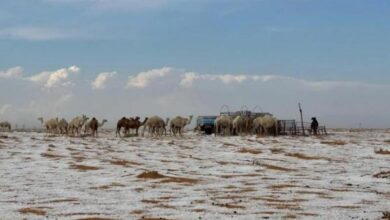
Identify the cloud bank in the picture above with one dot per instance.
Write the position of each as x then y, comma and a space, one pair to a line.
169, 91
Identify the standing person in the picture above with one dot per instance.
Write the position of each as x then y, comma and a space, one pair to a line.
314, 125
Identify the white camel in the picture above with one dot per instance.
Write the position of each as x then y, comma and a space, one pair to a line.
265, 125
239, 124
5, 126
76, 124
87, 126
50, 125
223, 124
155, 125
178, 123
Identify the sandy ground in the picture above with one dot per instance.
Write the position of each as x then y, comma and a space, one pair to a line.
345, 175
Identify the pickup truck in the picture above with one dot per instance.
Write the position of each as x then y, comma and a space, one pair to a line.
205, 124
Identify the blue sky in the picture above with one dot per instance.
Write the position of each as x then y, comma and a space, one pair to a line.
329, 40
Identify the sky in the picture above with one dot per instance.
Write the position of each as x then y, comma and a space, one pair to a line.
114, 58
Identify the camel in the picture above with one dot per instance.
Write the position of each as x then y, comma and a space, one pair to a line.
50, 125
76, 124
239, 124
265, 125
155, 125
93, 125
178, 123
223, 124
122, 123
5, 125
63, 126
136, 123
87, 125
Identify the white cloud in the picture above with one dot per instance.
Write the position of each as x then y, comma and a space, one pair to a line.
188, 79
228, 78
55, 78
39, 33
265, 78
143, 79
101, 80
14, 72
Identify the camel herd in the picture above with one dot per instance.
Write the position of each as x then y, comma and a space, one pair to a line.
156, 126
74, 127
242, 124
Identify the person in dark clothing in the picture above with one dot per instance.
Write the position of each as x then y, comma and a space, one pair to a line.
314, 125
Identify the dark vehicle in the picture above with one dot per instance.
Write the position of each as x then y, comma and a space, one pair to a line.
206, 124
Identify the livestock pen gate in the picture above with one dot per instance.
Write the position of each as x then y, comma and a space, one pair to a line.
291, 127
287, 127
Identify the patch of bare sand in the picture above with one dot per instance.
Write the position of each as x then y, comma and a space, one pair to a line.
334, 142
59, 201
151, 175
382, 151
152, 218
198, 210
114, 184
35, 211
166, 179
282, 186
96, 218
347, 206
286, 206
276, 200
307, 214
51, 155
81, 167
320, 193
306, 157
278, 168
240, 175
277, 150
122, 162
249, 150
230, 144
137, 212
383, 174
79, 213
229, 206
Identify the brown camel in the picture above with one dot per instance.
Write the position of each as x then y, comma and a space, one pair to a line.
122, 123
94, 125
127, 124
136, 123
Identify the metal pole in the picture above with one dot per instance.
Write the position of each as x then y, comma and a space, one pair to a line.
303, 127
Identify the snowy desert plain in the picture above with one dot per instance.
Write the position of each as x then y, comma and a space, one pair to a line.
345, 175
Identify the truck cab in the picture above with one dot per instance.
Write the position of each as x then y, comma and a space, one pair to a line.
206, 124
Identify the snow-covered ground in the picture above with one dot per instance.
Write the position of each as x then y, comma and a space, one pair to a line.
196, 177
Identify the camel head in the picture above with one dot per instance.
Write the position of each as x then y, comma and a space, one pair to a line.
104, 121
137, 118
145, 120
84, 119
